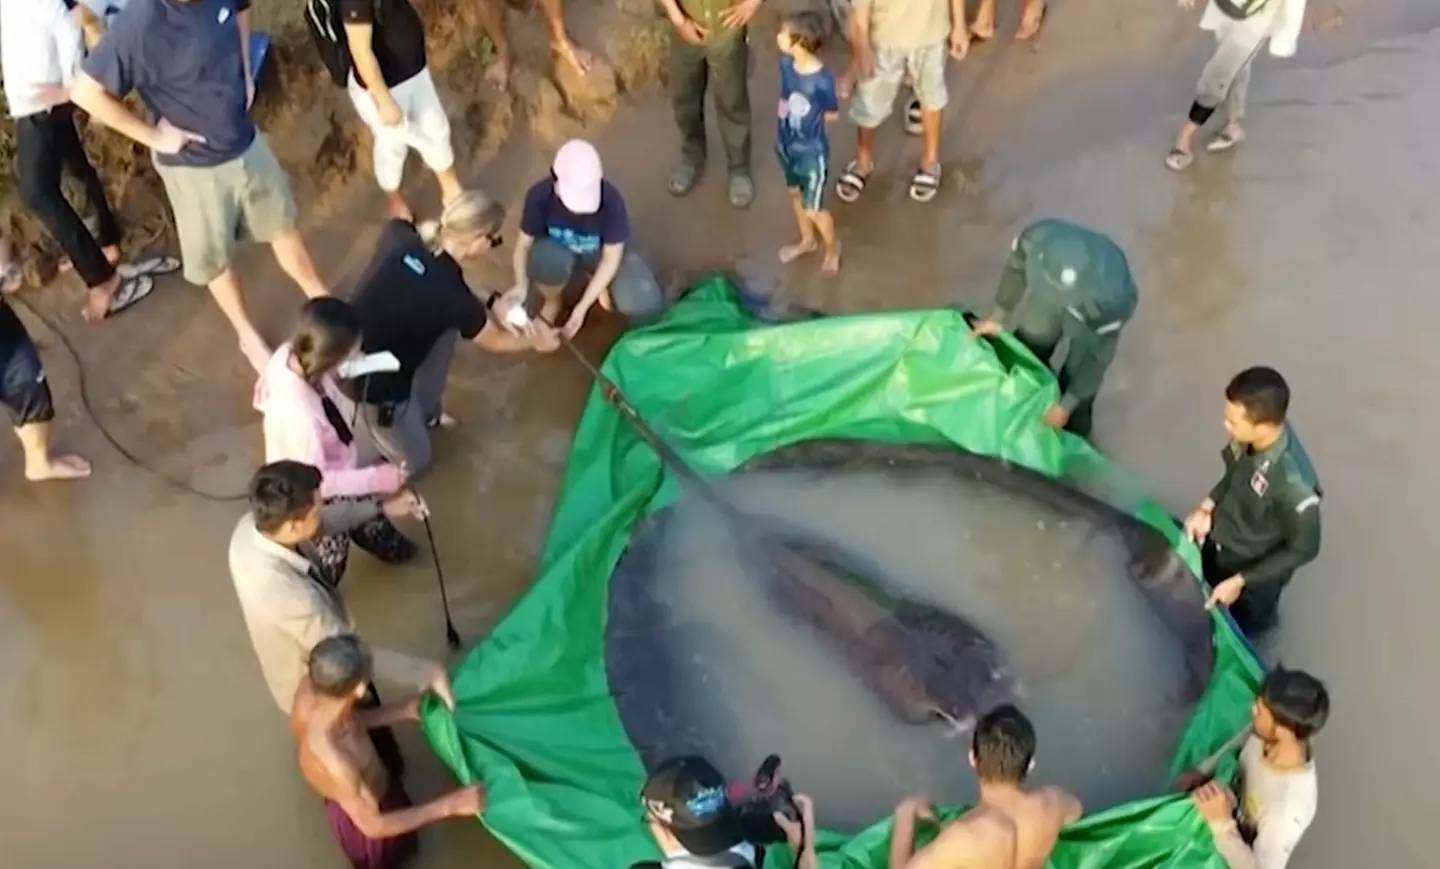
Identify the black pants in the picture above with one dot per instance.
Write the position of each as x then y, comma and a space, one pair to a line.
1257, 610
384, 739
1082, 418
46, 144
723, 65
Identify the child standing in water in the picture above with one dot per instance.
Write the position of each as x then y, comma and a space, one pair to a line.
808, 102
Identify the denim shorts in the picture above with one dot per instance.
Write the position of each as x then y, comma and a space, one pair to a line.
875, 96
23, 389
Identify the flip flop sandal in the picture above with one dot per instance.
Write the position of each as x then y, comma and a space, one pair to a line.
130, 291
914, 118
1179, 160
926, 184
851, 183
683, 178
1225, 140
155, 265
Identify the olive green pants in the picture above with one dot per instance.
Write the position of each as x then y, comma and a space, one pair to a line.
723, 65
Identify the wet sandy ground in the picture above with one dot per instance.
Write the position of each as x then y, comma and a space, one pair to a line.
139, 732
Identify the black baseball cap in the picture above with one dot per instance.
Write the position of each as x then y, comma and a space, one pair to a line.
688, 795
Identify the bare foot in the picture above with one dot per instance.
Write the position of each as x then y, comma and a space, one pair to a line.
59, 468
579, 59
983, 28
497, 74
791, 252
1030, 21
97, 300
831, 265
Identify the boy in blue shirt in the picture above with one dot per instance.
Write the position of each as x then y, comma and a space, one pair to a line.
808, 102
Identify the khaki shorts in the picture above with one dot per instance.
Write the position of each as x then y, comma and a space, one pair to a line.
246, 199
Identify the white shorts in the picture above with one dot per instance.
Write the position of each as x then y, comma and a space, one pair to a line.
423, 127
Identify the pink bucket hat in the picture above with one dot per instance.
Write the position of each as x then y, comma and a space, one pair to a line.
577, 176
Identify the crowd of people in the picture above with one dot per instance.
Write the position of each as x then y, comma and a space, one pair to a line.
341, 447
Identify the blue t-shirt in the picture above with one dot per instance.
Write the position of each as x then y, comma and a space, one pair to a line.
185, 61
805, 99
545, 216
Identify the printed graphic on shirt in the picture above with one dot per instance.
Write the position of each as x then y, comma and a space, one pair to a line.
577, 242
794, 110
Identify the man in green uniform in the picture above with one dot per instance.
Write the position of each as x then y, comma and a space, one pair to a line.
710, 46
1262, 520
1066, 281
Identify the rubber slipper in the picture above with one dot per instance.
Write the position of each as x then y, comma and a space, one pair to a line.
155, 265
683, 178
742, 189
130, 291
914, 118
1179, 160
926, 184
1225, 140
851, 183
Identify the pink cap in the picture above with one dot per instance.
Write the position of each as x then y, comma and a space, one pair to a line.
578, 176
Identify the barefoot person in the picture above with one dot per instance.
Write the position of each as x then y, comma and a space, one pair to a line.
26, 396
889, 38
220, 176
564, 49
1032, 13
378, 53
1241, 28
413, 301
710, 50
42, 46
370, 814
1010, 827
1261, 522
1278, 788
808, 103
576, 220
1064, 281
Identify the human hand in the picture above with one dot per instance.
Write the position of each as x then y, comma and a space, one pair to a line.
845, 85
389, 110
1197, 524
1056, 416
985, 328
51, 93
575, 321
959, 41
466, 802
405, 503
412, 708
1214, 802
862, 64
920, 807
510, 309
440, 684
166, 138
795, 830
1189, 780
740, 13
1226, 593
689, 31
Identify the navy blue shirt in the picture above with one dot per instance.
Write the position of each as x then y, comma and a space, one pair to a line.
185, 62
545, 216
805, 99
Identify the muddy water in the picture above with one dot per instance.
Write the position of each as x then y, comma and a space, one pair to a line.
1101, 676
136, 726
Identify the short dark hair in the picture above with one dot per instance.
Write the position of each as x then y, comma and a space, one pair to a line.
281, 492
339, 664
1262, 392
807, 29
1298, 701
1004, 745
326, 332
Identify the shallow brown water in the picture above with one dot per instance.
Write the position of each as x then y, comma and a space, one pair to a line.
139, 732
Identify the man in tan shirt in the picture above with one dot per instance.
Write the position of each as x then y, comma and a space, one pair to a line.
290, 603
1011, 827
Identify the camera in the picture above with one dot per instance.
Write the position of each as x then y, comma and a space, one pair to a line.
769, 794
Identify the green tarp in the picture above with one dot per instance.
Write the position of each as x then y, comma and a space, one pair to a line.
535, 720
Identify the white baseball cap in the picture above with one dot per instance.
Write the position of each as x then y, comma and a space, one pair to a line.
578, 176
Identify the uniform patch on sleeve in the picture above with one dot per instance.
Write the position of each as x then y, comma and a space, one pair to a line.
1258, 484
1306, 504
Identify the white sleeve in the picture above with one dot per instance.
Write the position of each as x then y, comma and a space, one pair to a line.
62, 27
1276, 839
1285, 33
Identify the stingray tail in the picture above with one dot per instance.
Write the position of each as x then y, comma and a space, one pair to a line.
956, 727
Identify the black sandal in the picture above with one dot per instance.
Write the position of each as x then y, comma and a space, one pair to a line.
926, 184
851, 183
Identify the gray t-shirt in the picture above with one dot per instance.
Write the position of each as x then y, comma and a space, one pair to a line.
905, 25
185, 62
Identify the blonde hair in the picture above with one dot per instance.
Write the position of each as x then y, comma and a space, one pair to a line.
470, 214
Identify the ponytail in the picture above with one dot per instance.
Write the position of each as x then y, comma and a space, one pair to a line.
326, 333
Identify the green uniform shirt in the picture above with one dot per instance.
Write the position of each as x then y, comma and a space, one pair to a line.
706, 13
1065, 281
1267, 510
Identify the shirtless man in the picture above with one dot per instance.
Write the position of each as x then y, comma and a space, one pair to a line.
370, 813
1010, 828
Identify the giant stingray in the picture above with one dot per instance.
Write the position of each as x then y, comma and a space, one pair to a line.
923, 662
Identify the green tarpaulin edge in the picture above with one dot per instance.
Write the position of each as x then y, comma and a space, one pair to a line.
534, 718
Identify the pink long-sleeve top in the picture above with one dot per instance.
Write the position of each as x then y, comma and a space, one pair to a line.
297, 429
